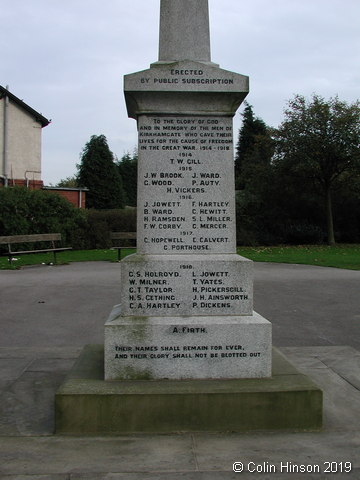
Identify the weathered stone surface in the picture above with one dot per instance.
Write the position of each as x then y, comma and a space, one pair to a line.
186, 201
189, 37
184, 87
176, 285
186, 281
186, 347
187, 76
87, 404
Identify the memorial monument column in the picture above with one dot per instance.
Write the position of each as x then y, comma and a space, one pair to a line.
186, 309
186, 296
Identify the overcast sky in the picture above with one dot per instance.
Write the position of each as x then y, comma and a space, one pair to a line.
66, 59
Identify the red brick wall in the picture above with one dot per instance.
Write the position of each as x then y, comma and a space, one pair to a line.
31, 184
73, 196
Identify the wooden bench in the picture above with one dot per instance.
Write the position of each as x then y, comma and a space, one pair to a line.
48, 238
122, 236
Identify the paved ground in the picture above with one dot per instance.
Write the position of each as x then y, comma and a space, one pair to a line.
309, 305
47, 315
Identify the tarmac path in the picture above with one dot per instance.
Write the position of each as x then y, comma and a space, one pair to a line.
67, 305
47, 314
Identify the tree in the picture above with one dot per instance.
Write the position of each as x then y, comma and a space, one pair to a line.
254, 181
128, 171
98, 172
69, 182
319, 142
252, 136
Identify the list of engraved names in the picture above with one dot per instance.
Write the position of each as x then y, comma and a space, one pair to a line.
184, 288
186, 185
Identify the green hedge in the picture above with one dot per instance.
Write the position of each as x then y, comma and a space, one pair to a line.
101, 222
25, 212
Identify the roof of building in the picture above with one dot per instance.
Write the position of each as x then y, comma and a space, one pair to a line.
4, 92
66, 189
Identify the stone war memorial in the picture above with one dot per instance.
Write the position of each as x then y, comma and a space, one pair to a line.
184, 349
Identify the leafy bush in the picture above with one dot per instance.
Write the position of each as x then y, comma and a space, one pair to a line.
101, 222
303, 233
26, 212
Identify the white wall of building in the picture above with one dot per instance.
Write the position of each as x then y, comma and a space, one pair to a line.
23, 143
2, 105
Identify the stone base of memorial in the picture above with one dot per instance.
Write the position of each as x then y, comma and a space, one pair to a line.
87, 404
186, 317
196, 347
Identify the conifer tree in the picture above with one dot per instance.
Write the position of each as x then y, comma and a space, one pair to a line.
98, 172
254, 144
127, 166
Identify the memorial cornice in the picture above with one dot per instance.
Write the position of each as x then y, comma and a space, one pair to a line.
188, 83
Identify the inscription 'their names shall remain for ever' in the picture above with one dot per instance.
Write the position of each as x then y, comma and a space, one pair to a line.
171, 352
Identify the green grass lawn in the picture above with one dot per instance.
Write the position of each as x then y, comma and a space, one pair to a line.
340, 256
62, 257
